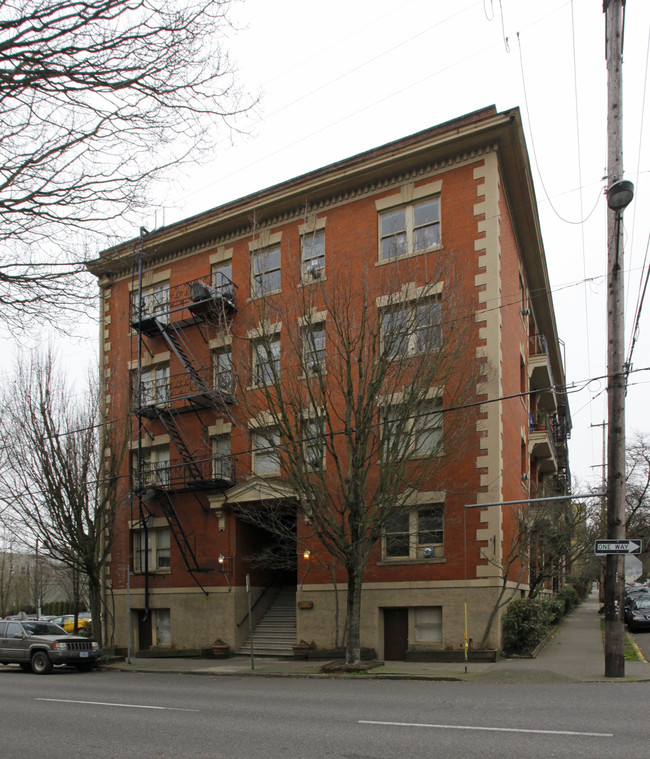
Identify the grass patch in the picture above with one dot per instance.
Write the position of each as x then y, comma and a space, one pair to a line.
630, 650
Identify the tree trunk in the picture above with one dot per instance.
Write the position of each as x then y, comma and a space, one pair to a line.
353, 618
94, 593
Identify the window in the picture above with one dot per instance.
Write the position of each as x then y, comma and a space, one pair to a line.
266, 361
411, 328
266, 271
410, 229
221, 459
416, 534
162, 626
154, 386
313, 255
427, 430
153, 301
413, 431
222, 280
222, 377
313, 433
153, 467
313, 347
155, 543
266, 458
428, 624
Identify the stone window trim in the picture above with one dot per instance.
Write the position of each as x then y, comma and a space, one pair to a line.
410, 292
150, 442
150, 360
222, 256
220, 342
150, 279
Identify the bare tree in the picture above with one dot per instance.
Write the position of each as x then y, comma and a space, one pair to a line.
548, 537
366, 404
97, 99
58, 477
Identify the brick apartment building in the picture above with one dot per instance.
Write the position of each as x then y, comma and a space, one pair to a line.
201, 318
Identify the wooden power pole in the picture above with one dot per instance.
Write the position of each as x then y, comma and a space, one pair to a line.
619, 195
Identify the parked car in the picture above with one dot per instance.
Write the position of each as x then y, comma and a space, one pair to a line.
66, 621
39, 646
638, 613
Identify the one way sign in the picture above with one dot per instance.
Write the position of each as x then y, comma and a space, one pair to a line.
617, 546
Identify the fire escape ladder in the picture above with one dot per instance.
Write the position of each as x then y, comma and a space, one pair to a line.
181, 537
171, 428
172, 338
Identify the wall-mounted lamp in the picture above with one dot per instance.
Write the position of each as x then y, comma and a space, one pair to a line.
306, 556
222, 569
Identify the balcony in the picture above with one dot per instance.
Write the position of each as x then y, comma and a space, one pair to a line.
203, 388
543, 441
202, 298
176, 475
540, 373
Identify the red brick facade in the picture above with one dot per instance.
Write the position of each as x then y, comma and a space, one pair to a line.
169, 349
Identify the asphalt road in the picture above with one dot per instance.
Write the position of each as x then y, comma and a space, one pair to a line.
113, 714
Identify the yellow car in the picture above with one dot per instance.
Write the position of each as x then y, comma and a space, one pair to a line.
66, 621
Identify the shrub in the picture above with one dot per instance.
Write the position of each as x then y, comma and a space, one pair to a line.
526, 624
555, 608
570, 596
580, 583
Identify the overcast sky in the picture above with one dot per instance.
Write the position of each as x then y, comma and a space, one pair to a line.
340, 77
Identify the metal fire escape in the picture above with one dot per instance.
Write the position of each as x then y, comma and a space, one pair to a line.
172, 315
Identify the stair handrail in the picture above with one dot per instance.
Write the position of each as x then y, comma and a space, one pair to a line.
258, 599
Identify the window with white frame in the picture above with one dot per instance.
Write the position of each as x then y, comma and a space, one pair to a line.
409, 229
417, 534
313, 348
313, 436
413, 430
265, 266
221, 457
265, 448
152, 301
154, 385
266, 360
313, 255
428, 624
153, 467
222, 376
222, 280
411, 328
154, 543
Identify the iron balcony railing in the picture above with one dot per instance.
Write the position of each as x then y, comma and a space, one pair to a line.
220, 386
198, 295
213, 471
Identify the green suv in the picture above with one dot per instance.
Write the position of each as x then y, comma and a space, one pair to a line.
37, 645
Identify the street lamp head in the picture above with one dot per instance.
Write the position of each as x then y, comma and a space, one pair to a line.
619, 195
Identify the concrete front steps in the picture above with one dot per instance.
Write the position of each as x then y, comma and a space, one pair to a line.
275, 633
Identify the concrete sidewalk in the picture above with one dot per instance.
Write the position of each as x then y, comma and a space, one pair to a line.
573, 654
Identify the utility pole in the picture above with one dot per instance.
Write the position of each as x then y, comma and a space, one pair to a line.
619, 195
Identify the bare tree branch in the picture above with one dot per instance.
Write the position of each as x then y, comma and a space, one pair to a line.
58, 477
97, 99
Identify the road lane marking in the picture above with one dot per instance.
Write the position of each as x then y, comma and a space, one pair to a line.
490, 729
108, 703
